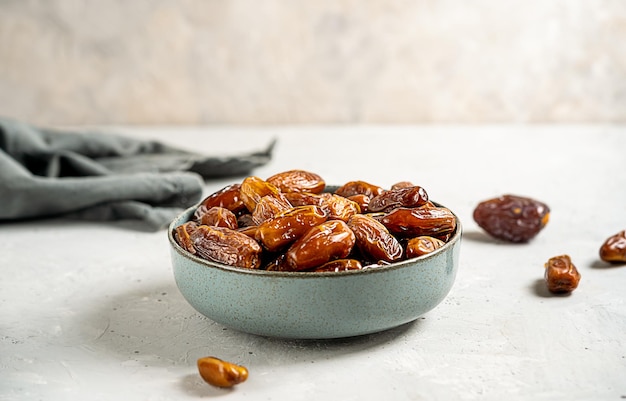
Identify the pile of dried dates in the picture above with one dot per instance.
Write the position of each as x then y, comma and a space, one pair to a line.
292, 222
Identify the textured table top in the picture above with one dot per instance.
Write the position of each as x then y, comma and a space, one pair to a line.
91, 311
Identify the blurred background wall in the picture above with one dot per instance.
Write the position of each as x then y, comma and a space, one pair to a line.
72, 62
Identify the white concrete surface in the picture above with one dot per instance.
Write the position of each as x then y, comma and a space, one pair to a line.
91, 311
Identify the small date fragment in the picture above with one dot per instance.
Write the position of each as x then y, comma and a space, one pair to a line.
561, 275
221, 373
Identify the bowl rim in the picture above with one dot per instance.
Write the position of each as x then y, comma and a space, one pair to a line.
456, 236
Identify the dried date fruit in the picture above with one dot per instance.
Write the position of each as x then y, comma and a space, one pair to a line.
330, 240
219, 217
352, 188
227, 197
561, 276
402, 184
200, 210
182, 235
253, 189
304, 198
226, 246
374, 240
298, 181
613, 250
221, 373
422, 245
339, 207
512, 218
409, 197
267, 207
414, 222
340, 265
361, 200
286, 227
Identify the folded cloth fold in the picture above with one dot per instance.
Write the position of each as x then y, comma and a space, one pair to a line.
104, 177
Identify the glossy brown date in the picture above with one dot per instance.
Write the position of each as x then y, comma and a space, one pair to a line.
352, 188
402, 184
330, 240
182, 235
267, 207
221, 373
298, 181
286, 227
253, 189
415, 196
512, 218
422, 245
561, 276
250, 231
361, 200
374, 240
226, 246
339, 207
613, 250
414, 222
227, 197
219, 217
304, 198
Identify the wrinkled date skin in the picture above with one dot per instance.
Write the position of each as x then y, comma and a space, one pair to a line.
219, 217
400, 197
330, 240
512, 218
182, 234
374, 240
226, 246
305, 198
422, 245
282, 230
221, 373
293, 222
613, 250
413, 222
361, 200
339, 207
561, 275
267, 207
253, 188
298, 181
359, 187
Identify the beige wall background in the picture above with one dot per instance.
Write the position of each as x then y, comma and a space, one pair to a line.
75, 62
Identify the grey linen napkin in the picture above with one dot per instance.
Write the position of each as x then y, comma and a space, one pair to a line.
104, 177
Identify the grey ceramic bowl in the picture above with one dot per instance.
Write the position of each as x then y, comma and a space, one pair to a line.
315, 305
